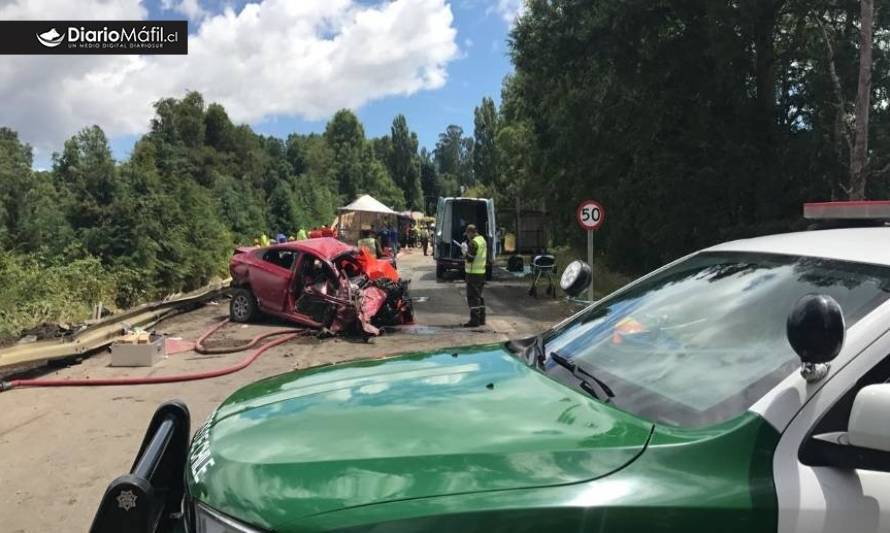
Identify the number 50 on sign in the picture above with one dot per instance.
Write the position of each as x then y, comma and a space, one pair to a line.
590, 215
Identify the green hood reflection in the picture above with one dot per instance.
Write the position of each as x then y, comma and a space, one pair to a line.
412, 427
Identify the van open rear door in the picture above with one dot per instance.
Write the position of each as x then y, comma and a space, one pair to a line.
441, 232
492, 236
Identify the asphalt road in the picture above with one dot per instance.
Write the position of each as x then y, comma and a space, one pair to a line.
511, 311
60, 447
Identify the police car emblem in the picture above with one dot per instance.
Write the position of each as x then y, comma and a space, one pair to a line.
126, 500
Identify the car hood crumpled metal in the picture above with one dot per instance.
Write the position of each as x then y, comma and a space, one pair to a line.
454, 422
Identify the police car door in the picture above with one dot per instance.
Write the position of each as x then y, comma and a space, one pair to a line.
814, 493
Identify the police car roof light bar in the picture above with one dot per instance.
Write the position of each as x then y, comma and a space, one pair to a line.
875, 210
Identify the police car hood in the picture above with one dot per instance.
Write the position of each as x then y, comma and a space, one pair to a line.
417, 426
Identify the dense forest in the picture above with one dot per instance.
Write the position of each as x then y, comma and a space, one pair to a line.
696, 121
693, 121
96, 230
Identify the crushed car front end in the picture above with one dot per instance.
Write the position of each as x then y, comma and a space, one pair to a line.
350, 292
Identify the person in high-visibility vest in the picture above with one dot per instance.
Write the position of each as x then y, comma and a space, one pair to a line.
476, 255
301, 235
264, 240
369, 243
424, 238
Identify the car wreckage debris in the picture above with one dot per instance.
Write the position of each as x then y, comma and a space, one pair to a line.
322, 284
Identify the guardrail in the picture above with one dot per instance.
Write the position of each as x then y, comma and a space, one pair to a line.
102, 332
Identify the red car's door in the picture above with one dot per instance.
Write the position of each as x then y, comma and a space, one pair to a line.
313, 280
271, 276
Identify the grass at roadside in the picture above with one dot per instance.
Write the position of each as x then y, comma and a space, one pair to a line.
605, 281
31, 294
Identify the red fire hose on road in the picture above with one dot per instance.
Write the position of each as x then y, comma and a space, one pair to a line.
200, 348
175, 378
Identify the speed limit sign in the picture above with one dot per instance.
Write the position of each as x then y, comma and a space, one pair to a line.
590, 215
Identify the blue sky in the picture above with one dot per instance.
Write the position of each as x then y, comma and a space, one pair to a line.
281, 66
478, 71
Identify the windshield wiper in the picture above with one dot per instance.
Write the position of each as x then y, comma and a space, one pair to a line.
605, 393
538, 352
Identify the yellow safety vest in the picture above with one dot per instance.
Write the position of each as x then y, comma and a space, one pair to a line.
477, 265
301, 235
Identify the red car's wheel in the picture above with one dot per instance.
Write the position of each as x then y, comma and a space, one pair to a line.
243, 306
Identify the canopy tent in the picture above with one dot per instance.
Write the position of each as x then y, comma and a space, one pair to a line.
368, 204
364, 211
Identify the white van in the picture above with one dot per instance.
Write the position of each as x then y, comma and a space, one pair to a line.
452, 217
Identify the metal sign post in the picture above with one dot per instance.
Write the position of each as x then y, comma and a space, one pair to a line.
590, 215
590, 262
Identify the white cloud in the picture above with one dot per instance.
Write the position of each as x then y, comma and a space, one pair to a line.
190, 8
509, 9
275, 58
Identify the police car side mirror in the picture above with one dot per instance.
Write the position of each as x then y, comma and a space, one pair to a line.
866, 443
816, 331
869, 425
575, 278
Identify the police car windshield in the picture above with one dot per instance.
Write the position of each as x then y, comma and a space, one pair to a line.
700, 342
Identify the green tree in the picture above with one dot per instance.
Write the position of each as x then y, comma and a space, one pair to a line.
86, 173
296, 153
429, 180
345, 138
382, 148
448, 150
403, 163
284, 209
219, 132
189, 120
15, 176
454, 156
44, 230
485, 132
379, 183
318, 201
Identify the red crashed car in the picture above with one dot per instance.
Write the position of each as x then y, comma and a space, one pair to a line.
320, 283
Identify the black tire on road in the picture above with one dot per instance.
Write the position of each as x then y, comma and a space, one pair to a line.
242, 307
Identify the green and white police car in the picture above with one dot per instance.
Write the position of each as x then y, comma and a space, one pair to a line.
741, 388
